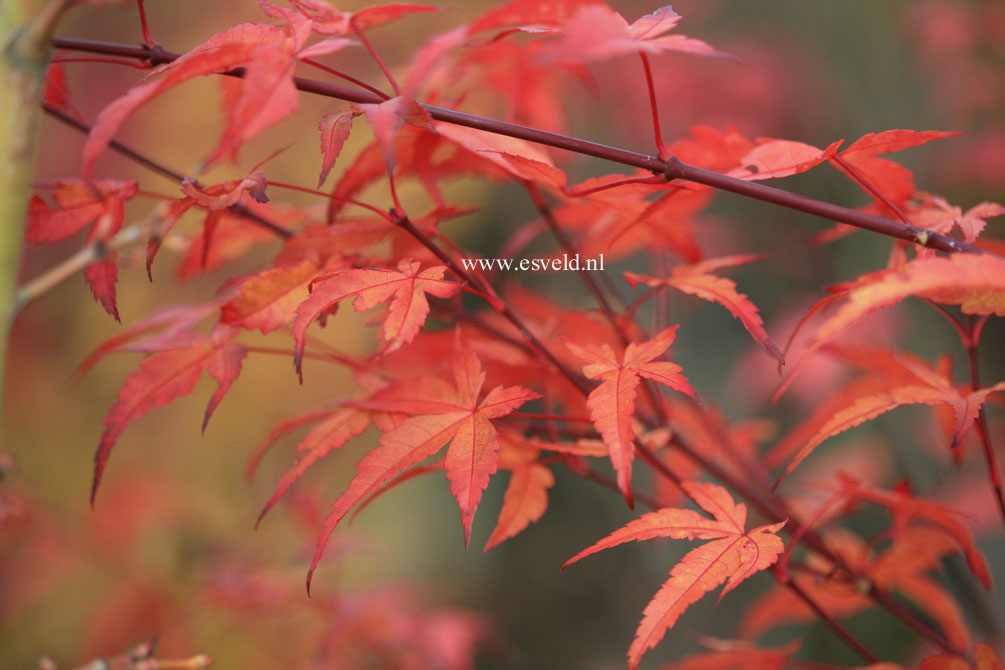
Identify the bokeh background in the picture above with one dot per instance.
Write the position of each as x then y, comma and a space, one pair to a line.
170, 548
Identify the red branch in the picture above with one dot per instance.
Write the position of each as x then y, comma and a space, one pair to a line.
671, 169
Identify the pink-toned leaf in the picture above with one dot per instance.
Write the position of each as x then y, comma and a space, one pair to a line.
334, 129
162, 378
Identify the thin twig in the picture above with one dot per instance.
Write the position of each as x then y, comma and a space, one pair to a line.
825, 616
69, 267
150, 164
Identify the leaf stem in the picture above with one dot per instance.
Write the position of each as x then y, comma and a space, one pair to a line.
303, 189
147, 37
343, 75
975, 327
871, 188
376, 57
654, 107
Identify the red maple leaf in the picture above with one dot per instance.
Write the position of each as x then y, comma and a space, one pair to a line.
733, 555
405, 288
441, 412
612, 403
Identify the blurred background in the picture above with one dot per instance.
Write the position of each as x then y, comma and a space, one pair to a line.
170, 548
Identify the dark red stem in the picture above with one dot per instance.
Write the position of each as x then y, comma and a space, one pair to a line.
825, 616
671, 169
983, 431
163, 171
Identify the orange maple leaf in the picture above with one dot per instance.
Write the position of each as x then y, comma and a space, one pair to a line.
733, 555
974, 282
526, 496
696, 280
925, 387
269, 299
612, 403
456, 413
406, 290
165, 376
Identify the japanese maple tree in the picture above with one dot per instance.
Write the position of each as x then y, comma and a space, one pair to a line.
473, 369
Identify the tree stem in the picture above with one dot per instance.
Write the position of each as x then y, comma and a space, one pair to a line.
26, 31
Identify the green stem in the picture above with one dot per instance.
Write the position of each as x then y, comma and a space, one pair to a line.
26, 28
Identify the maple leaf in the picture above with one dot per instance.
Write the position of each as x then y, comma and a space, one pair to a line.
405, 288
555, 13
226, 194
267, 53
327, 20
334, 129
696, 280
922, 387
892, 180
939, 216
101, 276
56, 92
457, 413
732, 556
337, 428
176, 326
905, 508
387, 117
164, 377
739, 655
526, 496
612, 403
711, 149
974, 282
80, 204
269, 299
902, 567
224, 237
772, 159
596, 33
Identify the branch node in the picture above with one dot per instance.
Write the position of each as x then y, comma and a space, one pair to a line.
673, 168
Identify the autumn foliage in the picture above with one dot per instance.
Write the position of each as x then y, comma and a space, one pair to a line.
471, 373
